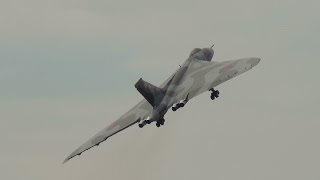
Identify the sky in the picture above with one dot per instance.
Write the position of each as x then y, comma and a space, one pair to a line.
68, 69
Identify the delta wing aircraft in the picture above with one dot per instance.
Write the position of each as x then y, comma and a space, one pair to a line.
196, 75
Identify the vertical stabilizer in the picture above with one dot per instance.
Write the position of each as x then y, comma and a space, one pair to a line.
150, 92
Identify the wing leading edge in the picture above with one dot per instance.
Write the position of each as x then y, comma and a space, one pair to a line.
141, 110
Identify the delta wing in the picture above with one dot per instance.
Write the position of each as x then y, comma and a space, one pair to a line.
201, 76
142, 110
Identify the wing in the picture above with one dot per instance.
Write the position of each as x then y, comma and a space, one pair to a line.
202, 76
142, 110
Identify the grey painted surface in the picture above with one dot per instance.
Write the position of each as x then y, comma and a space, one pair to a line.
58, 59
195, 76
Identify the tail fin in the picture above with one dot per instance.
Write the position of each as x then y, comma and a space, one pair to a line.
151, 93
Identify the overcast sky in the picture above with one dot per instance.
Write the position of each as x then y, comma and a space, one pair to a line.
68, 69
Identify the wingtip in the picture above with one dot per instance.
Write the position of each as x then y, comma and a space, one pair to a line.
258, 59
72, 155
254, 61
66, 160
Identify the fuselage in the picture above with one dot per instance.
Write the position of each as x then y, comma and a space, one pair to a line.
169, 98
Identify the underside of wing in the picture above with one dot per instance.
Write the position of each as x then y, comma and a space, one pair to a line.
141, 110
202, 76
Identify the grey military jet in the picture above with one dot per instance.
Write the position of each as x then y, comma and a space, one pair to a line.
196, 75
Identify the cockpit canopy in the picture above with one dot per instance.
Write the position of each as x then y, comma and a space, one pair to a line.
204, 54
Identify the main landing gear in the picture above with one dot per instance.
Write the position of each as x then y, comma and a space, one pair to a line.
160, 122
214, 93
143, 123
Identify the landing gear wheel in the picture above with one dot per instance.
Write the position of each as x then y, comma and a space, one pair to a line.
142, 124
174, 108
214, 93
147, 121
162, 122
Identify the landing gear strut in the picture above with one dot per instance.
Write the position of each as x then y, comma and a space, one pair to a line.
214, 93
